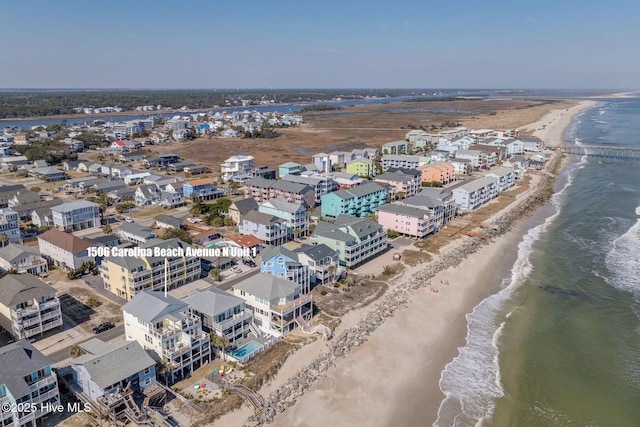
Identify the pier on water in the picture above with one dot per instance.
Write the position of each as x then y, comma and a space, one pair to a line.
602, 151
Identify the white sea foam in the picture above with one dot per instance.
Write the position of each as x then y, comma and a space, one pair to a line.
471, 382
622, 260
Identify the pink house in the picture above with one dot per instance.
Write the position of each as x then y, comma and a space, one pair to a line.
404, 219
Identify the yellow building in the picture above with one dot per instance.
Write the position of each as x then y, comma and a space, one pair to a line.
125, 276
362, 167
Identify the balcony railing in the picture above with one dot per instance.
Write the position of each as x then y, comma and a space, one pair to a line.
283, 308
230, 322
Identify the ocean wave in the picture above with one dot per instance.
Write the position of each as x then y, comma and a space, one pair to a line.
622, 260
471, 382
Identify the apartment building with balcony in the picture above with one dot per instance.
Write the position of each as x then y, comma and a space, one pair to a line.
400, 185
505, 178
355, 239
262, 190
322, 261
168, 328
270, 229
441, 172
403, 161
295, 216
64, 249
322, 183
236, 166
221, 313
284, 263
473, 194
405, 220
10, 224
22, 259
360, 200
276, 303
128, 276
439, 203
74, 216
26, 377
28, 306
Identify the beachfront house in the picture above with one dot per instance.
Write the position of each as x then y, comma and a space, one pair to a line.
282, 262
473, 194
276, 303
168, 328
405, 220
360, 200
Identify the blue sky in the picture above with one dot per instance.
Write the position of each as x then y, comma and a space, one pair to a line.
320, 44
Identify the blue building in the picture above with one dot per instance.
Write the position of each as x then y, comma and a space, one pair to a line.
202, 189
281, 262
289, 168
360, 200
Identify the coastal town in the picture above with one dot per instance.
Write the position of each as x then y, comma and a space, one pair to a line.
140, 287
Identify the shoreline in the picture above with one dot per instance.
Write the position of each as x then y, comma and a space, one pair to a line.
423, 325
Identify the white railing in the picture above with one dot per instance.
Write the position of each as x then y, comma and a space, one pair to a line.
262, 348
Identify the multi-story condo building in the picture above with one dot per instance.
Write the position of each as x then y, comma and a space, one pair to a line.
276, 303
400, 185
221, 313
322, 183
262, 189
360, 200
10, 224
270, 229
441, 172
439, 203
289, 168
22, 259
240, 208
236, 166
128, 276
284, 263
26, 377
355, 239
513, 146
170, 330
474, 194
505, 178
295, 216
64, 249
323, 262
396, 147
28, 306
477, 158
403, 161
74, 216
362, 167
405, 220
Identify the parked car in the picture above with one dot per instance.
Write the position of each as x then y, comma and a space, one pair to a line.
130, 220
248, 262
104, 326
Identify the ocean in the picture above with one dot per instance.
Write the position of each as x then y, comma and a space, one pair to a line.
559, 345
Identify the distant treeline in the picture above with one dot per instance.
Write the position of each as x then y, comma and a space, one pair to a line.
446, 98
318, 107
36, 103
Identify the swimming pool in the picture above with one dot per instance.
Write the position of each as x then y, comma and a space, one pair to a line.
246, 350
212, 244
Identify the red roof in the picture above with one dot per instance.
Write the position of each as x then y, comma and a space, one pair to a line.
246, 240
119, 143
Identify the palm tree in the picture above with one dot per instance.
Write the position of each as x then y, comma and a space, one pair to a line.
106, 229
220, 343
331, 269
4, 240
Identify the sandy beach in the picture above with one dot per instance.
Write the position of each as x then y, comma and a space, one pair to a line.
386, 381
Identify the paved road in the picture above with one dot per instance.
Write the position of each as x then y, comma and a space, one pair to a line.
111, 334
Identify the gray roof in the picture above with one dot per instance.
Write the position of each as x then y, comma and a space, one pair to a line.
107, 364
168, 219
136, 229
71, 206
273, 251
18, 360
18, 288
394, 177
500, 171
361, 190
246, 205
301, 179
24, 197
267, 287
13, 251
289, 165
261, 218
405, 171
316, 252
165, 244
153, 306
476, 184
283, 205
344, 226
212, 301
290, 187
403, 210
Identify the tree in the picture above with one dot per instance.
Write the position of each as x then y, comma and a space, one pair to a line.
75, 351
399, 195
35, 189
106, 229
177, 233
4, 240
220, 343
215, 273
